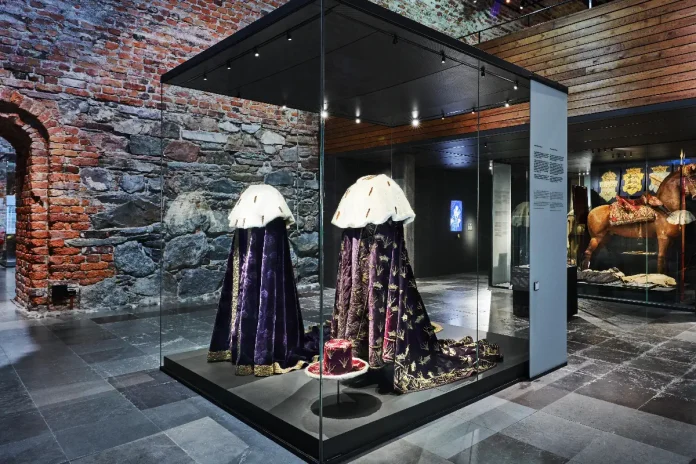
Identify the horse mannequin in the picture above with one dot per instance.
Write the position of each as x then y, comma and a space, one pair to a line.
669, 194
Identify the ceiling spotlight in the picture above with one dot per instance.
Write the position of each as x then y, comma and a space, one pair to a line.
485, 145
289, 36
395, 40
229, 65
442, 57
515, 87
507, 103
256, 52
443, 115
415, 122
205, 76
473, 110
483, 71
507, 1
324, 114
285, 107
357, 121
521, 7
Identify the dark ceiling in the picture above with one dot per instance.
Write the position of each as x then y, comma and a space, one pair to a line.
379, 65
648, 133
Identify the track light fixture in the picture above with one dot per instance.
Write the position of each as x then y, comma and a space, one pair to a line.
473, 110
442, 57
285, 107
289, 36
229, 65
415, 122
256, 52
507, 103
205, 76
239, 94
515, 86
443, 115
395, 40
324, 114
483, 71
357, 121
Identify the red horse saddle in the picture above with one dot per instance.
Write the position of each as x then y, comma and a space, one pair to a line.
626, 211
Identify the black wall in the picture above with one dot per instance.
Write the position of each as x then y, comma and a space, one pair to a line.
439, 251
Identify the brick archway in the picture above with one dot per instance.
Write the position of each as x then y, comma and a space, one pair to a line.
31, 128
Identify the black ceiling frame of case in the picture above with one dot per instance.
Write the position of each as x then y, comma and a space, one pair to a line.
366, 7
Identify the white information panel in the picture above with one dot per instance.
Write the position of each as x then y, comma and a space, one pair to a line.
502, 227
547, 242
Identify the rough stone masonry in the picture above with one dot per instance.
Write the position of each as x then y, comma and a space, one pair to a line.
79, 103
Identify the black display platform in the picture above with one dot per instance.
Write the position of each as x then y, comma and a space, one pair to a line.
286, 407
655, 295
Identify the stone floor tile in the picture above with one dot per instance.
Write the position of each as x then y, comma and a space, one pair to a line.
74, 391
127, 366
93, 438
614, 449
678, 403
480, 407
654, 381
572, 381
20, 426
553, 434
52, 376
15, 399
147, 396
153, 449
86, 410
41, 449
607, 354
448, 436
503, 416
659, 365
207, 442
501, 449
618, 391
664, 433
540, 398
115, 354
401, 452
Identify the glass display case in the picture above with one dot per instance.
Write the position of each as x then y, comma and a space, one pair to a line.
631, 233
331, 207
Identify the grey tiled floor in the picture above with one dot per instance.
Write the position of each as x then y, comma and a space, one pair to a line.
86, 389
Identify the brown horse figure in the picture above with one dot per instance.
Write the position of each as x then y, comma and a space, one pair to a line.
669, 194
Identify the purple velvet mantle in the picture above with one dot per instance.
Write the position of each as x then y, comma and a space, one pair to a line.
258, 325
378, 308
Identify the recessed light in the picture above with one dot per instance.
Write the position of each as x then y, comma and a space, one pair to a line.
415, 122
357, 121
256, 52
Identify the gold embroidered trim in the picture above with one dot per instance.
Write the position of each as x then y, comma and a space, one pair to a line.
244, 370
218, 356
235, 283
267, 370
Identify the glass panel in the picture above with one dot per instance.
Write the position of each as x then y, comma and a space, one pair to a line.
632, 238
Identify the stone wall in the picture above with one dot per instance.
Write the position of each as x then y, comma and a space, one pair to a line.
80, 81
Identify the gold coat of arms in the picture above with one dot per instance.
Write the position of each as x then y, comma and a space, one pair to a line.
633, 180
608, 186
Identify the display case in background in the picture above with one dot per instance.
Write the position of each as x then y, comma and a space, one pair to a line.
332, 195
634, 241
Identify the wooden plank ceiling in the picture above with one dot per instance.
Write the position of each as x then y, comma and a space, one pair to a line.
624, 54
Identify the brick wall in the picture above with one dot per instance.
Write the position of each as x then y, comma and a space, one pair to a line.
79, 96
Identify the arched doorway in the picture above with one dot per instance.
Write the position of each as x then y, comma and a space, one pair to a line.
8, 220
26, 140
